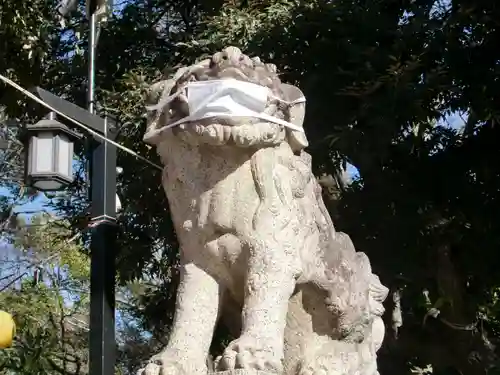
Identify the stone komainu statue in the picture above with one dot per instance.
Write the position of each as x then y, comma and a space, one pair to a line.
258, 247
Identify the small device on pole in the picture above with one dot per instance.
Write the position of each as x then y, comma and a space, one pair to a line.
99, 8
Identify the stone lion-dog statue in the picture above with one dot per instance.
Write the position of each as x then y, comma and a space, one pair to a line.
258, 247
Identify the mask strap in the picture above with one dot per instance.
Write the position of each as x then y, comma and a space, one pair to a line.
278, 121
163, 101
262, 116
179, 121
302, 99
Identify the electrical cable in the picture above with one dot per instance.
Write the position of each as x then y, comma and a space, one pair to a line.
86, 128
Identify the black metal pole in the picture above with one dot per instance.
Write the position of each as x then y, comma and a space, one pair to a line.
103, 239
102, 268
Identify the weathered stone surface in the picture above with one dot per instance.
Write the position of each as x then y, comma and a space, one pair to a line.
242, 372
258, 246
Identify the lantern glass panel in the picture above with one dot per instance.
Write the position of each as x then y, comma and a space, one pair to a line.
64, 155
42, 153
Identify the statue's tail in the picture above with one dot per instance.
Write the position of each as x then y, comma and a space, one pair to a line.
337, 357
355, 297
354, 294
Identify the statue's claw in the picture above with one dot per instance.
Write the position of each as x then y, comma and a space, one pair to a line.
246, 353
167, 364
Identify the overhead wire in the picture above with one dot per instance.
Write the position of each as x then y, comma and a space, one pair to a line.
77, 123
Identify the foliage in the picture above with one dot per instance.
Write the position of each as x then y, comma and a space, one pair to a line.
46, 288
381, 79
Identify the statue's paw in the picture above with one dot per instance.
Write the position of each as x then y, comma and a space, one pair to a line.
156, 367
163, 364
249, 353
150, 369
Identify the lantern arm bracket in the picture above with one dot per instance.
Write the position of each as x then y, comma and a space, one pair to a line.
77, 113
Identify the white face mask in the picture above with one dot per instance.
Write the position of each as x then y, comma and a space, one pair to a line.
226, 98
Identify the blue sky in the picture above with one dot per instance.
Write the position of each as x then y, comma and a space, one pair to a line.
36, 205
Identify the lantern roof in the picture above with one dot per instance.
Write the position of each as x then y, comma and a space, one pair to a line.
50, 123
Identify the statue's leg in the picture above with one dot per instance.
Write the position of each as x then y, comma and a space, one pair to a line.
269, 284
196, 313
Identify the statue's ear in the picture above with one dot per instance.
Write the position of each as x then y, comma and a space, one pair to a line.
296, 139
153, 95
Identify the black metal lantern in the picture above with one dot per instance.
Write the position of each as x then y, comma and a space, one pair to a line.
49, 145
